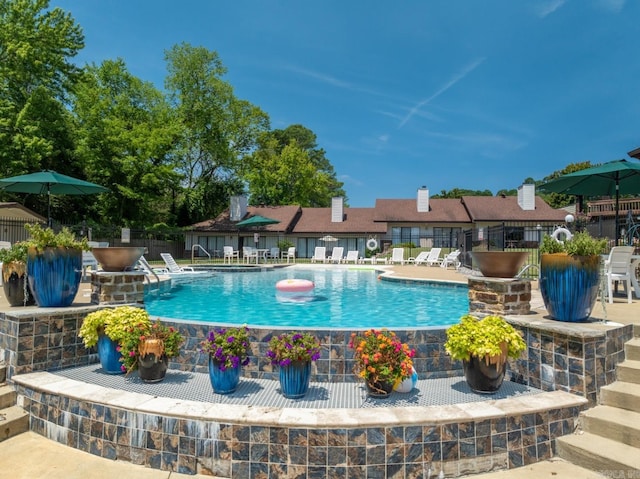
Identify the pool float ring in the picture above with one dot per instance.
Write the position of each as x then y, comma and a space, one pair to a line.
567, 234
406, 385
294, 285
372, 244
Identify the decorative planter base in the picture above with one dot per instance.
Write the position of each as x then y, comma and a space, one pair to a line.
294, 379
223, 382
379, 390
483, 378
152, 369
109, 355
15, 284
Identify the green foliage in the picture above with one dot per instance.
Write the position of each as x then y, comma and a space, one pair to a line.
296, 346
17, 252
460, 192
47, 238
228, 346
116, 323
284, 245
148, 337
581, 244
483, 338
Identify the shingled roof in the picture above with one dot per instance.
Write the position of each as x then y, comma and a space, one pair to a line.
443, 210
355, 220
506, 208
287, 215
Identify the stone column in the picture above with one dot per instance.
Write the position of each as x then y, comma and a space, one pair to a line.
117, 288
502, 296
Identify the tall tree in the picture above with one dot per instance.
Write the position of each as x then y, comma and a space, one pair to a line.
285, 176
36, 76
126, 132
217, 129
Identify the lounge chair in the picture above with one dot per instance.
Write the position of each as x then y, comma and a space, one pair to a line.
290, 254
336, 255
352, 255
434, 257
88, 261
451, 260
618, 268
397, 256
319, 254
421, 258
229, 253
173, 266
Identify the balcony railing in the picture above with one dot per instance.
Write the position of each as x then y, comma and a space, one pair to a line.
608, 207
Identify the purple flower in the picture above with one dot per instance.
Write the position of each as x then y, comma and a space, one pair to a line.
230, 339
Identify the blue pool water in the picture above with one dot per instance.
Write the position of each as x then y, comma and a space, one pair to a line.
341, 299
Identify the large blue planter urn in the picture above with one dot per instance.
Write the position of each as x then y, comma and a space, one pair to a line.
54, 275
569, 285
109, 355
294, 379
223, 382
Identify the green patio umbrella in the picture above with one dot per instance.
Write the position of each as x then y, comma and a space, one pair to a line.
51, 183
615, 178
257, 220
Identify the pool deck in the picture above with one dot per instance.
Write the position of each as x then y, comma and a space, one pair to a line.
31, 455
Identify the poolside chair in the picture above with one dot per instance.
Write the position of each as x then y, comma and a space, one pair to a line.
397, 256
248, 253
319, 254
229, 253
352, 255
421, 258
274, 253
618, 268
173, 266
434, 257
451, 260
88, 261
290, 254
336, 255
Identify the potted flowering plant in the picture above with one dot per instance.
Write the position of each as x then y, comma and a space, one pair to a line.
293, 352
381, 359
14, 275
484, 345
228, 350
106, 328
147, 347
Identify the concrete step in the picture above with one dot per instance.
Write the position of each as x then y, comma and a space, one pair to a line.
7, 397
632, 349
613, 423
13, 421
598, 453
622, 395
3, 373
629, 371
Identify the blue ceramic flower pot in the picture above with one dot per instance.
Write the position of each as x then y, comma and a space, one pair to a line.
294, 379
109, 355
569, 285
223, 382
54, 275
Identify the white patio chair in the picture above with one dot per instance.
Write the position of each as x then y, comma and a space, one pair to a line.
352, 255
434, 257
229, 253
618, 268
397, 256
451, 260
274, 253
421, 258
290, 254
249, 253
336, 255
173, 266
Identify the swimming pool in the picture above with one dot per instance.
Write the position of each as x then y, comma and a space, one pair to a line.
342, 298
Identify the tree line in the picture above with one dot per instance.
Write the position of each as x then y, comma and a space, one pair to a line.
170, 157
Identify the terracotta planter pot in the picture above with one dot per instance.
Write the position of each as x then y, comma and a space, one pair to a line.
499, 264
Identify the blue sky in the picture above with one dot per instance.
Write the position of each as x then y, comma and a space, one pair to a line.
468, 94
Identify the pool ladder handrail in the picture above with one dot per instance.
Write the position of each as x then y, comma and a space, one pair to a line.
193, 251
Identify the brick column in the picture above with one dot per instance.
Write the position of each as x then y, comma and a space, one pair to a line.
503, 296
117, 288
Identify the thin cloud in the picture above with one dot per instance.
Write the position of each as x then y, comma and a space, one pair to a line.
549, 7
333, 81
456, 78
614, 6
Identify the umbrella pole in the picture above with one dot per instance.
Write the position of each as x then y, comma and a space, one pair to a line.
617, 210
49, 205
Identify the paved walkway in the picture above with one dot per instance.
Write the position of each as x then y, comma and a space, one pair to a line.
32, 456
